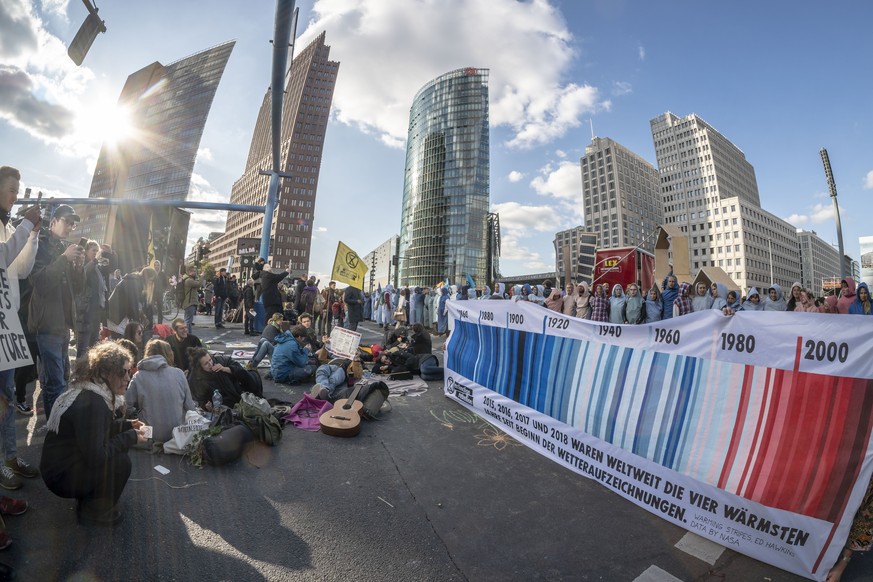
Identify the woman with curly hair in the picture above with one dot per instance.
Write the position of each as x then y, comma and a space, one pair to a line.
85, 455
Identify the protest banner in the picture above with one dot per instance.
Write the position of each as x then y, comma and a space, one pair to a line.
344, 343
13, 344
753, 431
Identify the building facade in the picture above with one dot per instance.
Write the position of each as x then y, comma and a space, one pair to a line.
620, 195
382, 262
709, 191
444, 222
167, 107
575, 252
308, 96
819, 261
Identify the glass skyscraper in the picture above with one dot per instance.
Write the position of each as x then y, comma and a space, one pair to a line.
444, 224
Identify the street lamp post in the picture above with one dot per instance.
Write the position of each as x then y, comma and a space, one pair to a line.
832, 186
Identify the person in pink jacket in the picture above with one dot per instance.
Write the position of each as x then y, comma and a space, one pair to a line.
847, 295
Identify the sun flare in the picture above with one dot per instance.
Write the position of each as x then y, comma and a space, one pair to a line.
107, 125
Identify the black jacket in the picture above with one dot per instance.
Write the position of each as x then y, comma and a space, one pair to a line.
53, 284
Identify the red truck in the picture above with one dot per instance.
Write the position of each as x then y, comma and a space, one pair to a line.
623, 266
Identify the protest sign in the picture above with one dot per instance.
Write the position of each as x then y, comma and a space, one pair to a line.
344, 343
13, 344
753, 431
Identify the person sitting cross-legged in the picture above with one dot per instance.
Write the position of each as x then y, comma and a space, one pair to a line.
290, 360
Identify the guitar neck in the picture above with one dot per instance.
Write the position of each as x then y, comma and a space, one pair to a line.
353, 396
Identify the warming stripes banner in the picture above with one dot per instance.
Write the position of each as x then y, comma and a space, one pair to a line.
753, 431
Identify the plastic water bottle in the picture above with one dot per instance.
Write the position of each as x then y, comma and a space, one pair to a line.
216, 402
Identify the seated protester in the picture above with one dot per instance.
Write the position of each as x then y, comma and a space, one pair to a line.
209, 373
420, 341
599, 305
682, 303
702, 299
634, 309
774, 300
330, 382
312, 341
180, 342
654, 307
267, 341
133, 332
159, 392
85, 454
753, 302
396, 338
290, 360
861, 306
132, 350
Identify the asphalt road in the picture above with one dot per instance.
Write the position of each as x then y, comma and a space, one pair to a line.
430, 492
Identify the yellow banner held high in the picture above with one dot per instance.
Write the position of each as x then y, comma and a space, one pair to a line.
348, 267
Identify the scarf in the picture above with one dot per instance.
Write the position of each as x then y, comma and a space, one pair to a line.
65, 400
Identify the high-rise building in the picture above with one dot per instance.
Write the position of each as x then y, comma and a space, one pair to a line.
167, 107
866, 243
709, 191
444, 222
620, 195
382, 262
819, 260
308, 95
575, 253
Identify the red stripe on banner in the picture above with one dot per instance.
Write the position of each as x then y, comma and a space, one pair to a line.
768, 380
819, 463
797, 352
739, 423
770, 438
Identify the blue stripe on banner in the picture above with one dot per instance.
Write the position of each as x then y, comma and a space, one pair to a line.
677, 421
618, 394
649, 405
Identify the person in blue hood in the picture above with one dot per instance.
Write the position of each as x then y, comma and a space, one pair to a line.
443, 312
753, 301
290, 360
671, 292
861, 305
774, 300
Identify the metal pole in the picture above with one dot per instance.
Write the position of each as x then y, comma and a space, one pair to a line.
832, 186
770, 244
146, 203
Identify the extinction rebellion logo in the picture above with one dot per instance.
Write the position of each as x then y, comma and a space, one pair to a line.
459, 391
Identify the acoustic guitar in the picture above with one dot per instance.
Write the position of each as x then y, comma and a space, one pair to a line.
344, 419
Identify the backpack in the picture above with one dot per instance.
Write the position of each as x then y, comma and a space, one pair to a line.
318, 306
256, 413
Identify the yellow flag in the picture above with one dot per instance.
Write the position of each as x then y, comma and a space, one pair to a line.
348, 267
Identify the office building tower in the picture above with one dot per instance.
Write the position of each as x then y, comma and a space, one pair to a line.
709, 192
308, 96
819, 261
444, 228
166, 107
382, 262
575, 252
620, 195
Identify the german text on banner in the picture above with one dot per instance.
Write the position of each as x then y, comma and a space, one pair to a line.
348, 267
13, 344
753, 431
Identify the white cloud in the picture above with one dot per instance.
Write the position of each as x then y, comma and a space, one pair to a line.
561, 154
620, 88
818, 214
205, 221
517, 223
204, 154
515, 176
526, 45
321, 229
868, 181
641, 52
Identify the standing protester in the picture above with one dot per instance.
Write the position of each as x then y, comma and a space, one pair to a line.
599, 304
126, 301
634, 310
671, 292
654, 306
208, 297
248, 296
257, 269
583, 301
17, 253
233, 292
443, 312
329, 297
774, 300
220, 290
682, 303
190, 284
568, 301
270, 294
847, 295
861, 306
702, 299
753, 301
617, 301
354, 300
58, 274
88, 304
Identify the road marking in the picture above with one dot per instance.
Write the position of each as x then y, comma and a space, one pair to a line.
701, 548
655, 574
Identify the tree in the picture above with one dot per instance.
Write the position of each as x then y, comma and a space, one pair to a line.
207, 271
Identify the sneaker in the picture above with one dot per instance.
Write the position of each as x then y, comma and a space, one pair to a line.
21, 467
8, 480
5, 540
319, 391
9, 506
24, 408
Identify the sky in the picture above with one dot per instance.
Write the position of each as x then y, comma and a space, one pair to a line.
780, 79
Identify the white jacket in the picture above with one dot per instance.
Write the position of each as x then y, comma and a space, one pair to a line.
13, 240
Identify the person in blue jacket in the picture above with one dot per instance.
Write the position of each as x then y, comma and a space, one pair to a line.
290, 360
443, 312
671, 292
861, 305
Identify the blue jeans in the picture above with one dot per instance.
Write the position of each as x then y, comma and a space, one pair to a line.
219, 310
190, 312
54, 368
331, 377
265, 348
7, 413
